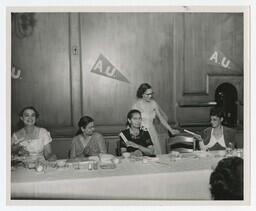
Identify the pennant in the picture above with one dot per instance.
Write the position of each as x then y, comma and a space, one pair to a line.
217, 58
104, 67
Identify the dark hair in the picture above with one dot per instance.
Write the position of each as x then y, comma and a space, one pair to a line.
130, 115
142, 88
31, 108
83, 122
21, 123
227, 179
216, 111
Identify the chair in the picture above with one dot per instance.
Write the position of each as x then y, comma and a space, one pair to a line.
181, 144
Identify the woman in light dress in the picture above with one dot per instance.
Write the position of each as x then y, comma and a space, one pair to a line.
87, 142
149, 111
31, 141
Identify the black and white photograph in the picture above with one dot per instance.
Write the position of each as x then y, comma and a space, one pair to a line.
128, 104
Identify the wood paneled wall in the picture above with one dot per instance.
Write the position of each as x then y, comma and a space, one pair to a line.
140, 47
198, 36
168, 50
44, 61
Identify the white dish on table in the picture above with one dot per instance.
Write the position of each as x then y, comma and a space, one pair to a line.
202, 154
126, 155
61, 163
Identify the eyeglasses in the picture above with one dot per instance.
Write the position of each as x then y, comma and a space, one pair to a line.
149, 93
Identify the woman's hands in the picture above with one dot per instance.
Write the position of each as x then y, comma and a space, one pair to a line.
198, 137
137, 153
19, 150
174, 131
132, 144
140, 149
201, 142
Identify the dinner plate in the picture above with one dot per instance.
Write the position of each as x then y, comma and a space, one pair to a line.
107, 166
188, 155
201, 154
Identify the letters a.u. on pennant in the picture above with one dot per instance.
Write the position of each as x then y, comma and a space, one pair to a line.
103, 67
217, 58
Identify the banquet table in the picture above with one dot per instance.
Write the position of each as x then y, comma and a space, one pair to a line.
184, 178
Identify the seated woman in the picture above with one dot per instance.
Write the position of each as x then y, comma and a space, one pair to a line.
217, 137
134, 139
226, 180
31, 141
87, 142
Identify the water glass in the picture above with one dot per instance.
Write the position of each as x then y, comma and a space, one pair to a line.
76, 165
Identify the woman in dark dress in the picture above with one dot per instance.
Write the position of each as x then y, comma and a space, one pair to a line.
217, 137
136, 139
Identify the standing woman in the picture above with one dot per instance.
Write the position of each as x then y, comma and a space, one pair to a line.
149, 110
31, 141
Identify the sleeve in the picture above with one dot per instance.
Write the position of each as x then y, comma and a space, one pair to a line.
204, 134
73, 149
14, 139
76, 148
101, 143
155, 105
136, 106
233, 137
162, 112
147, 139
45, 135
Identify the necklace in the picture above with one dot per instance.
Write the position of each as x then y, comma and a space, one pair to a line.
134, 133
30, 135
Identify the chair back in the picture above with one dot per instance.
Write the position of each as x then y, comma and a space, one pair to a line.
181, 144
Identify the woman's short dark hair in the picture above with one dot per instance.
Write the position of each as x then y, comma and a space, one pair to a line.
216, 111
31, 108
83, 122
130, 115
21, 123
227, 179
142, 88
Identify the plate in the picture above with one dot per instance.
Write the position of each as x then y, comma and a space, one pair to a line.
107, 166
201, 154
188, 155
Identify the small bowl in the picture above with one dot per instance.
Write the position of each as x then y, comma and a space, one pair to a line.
61, 163
175, 154
126, 154
116, 160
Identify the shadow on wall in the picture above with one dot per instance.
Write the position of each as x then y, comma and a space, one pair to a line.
226, 98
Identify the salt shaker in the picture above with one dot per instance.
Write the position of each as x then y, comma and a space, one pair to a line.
90, 166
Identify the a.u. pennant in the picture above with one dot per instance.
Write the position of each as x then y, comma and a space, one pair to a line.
104, 67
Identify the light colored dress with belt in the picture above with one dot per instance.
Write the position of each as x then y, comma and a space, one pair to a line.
148, 114
34, 146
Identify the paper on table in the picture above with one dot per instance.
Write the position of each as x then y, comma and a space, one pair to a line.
123, 137
190, 132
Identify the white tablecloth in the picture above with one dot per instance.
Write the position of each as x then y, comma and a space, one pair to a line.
186, 178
